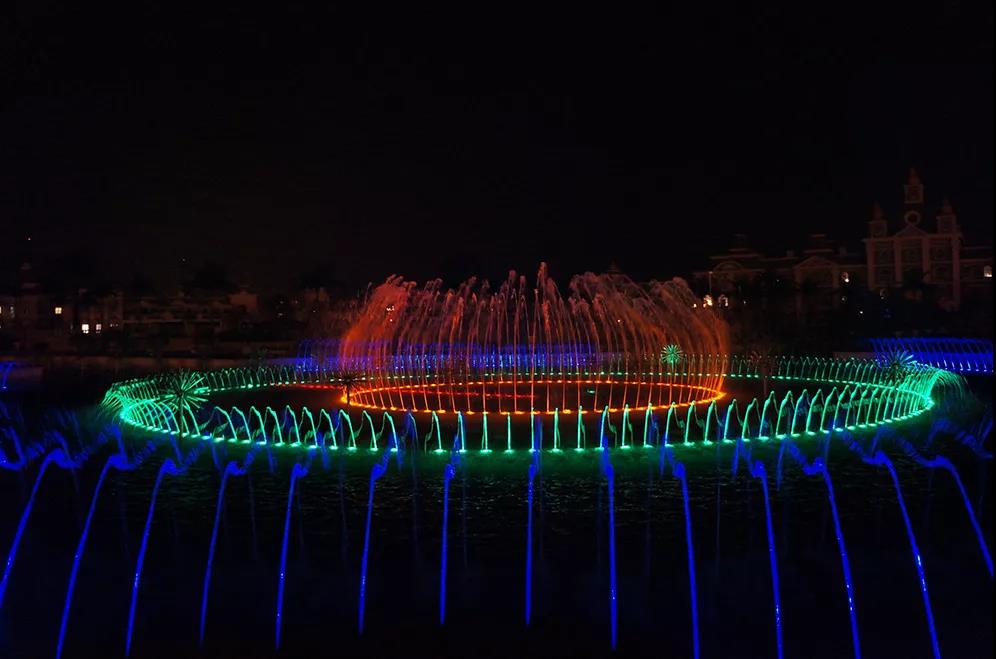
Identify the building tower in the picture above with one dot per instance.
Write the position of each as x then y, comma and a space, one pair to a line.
913, 199
917, 254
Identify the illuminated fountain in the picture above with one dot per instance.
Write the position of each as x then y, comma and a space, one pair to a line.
809, 396
5, 370
163, 455
447, 376
607, 344
961, 355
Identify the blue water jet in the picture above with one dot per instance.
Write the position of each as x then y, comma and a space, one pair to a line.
376, 472
231, 469
818, 467
879, 459
299, 471
8, 566
758, 472
529, 539
844, 561
882, 460
448, 474
609, 472
117, 461
171, 468
679, 472
681, 475
943, 463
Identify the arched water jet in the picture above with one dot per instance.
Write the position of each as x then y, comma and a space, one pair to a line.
298, 472
231, 469
173, 469
474, 349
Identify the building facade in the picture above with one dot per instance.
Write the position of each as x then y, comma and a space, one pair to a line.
39, 320
916, 251
918, 256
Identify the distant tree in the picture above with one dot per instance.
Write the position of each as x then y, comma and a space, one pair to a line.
210, 277
774, 291
914, 287
349, 380
257, 360
916, 305
762, 355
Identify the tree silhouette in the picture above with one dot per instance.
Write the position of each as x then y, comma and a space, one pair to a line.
762, 356
184, 394
898, 364
349, 380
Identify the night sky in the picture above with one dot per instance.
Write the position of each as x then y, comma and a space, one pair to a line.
448, 145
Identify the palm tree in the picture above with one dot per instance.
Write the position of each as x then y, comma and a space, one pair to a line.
672, 355
897, 364
184, 394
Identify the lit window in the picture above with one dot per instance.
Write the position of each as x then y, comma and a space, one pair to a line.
58, 311
85, 328
987, 271
845, 277
97, 328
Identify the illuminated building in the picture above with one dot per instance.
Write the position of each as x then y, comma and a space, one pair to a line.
918, 256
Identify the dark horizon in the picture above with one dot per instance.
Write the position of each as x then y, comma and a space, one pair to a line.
282, 146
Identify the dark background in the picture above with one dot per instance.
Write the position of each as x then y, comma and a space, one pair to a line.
438, 144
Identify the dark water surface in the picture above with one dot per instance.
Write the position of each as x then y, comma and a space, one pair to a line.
486, 557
